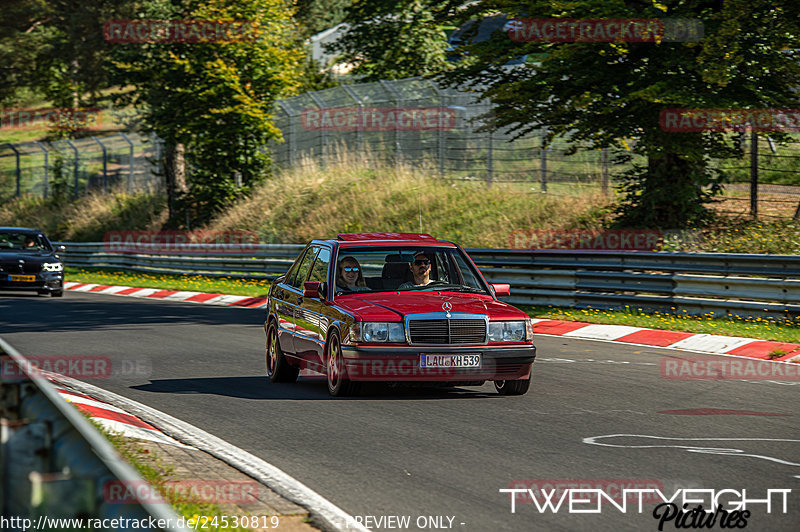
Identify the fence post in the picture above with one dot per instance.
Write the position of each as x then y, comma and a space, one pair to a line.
75, 167
359, 133
46, 161
543, 160
754, 174
398, 152
16, 154
323, 138
604, 170
130, 160
290, 140
105, 164
489, 157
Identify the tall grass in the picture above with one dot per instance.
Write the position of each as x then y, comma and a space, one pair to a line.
354, 196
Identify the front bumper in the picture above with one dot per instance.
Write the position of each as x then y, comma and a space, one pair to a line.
45, 281
403, 363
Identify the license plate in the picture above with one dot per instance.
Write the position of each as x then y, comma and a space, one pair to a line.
449, 361
22, 278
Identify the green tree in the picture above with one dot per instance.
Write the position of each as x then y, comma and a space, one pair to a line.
319, 15
394, 39
601, 93
212, 101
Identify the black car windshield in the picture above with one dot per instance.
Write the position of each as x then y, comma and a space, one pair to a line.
16, 242
401, 268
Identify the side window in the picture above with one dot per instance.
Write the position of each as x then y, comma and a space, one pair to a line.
319, 272
300, 272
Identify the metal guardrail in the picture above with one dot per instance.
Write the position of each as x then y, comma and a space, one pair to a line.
54, 463
695, 283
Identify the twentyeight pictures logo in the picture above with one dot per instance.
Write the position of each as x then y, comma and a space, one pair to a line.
179, 31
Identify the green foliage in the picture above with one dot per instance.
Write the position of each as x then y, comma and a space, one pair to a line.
319, 15
216, 97
601, 93
394, 39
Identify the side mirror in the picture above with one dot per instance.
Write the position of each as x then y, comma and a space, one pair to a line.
311, 289
502, 289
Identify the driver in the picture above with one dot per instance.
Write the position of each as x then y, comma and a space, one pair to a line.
421, 270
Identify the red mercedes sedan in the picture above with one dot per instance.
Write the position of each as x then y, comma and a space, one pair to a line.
395, 307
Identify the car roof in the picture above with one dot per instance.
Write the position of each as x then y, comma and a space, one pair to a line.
22, 230
391, 239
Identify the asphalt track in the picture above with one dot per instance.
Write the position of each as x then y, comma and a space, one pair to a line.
429, 452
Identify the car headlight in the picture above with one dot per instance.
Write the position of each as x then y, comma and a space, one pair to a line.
52, 267
510, 331
373, 331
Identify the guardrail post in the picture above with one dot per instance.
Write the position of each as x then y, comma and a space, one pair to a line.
130, 161
16, 153
105, 164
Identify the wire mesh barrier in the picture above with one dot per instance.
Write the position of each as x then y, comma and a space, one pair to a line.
415, 121
124, 161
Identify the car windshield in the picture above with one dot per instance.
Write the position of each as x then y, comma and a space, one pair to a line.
14, 241
384, 269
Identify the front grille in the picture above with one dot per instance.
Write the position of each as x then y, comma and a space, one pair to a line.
447, 331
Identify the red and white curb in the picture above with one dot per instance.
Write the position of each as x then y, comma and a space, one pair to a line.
113, 419
169, 295
702, 343
693, 342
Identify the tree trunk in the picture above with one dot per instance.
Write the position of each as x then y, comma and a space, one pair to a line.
175, 175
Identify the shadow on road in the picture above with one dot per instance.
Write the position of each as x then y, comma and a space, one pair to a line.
26, 313
306, 389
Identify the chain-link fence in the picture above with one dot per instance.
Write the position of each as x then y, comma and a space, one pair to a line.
124, 161
415, 121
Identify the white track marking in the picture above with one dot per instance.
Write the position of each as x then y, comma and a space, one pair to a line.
603, 332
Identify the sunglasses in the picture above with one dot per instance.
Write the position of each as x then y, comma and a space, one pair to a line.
422, 262
349, 269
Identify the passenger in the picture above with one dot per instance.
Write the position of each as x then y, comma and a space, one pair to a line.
349, 275
421, 270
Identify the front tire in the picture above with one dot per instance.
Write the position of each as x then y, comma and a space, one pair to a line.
338, 384
57, 293
278, 369
513, 387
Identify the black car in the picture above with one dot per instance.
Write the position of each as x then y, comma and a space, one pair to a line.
28, 261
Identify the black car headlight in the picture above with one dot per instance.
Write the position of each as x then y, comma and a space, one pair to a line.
376, 331
510, 331
52, 267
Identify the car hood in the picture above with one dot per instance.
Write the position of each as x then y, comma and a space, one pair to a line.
29, 257
391, 306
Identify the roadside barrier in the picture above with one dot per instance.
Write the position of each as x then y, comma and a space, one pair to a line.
692, 283
55, 463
